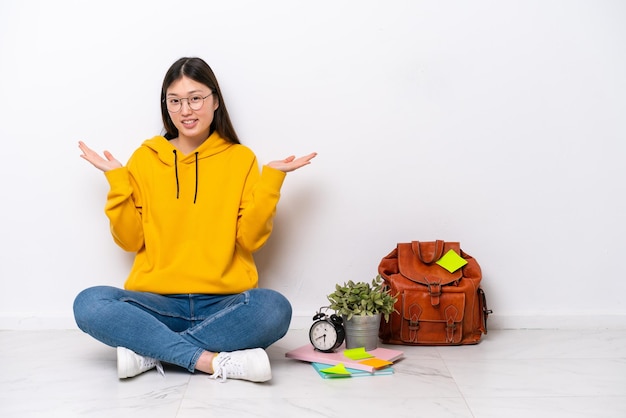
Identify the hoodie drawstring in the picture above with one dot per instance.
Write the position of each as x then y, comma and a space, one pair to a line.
196, 192
195, 195
176, 170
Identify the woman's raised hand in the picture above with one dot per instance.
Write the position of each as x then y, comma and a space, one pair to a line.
292, 163
104, 164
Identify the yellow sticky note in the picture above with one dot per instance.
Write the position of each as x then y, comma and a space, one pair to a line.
336, 369
451, 261
357, 353
376, 363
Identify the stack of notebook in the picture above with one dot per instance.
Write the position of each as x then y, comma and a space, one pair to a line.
353, 362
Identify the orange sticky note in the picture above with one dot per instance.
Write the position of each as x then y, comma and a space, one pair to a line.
376, 362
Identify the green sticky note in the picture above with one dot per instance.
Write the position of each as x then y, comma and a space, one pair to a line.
337, 369
356, 353
451, 261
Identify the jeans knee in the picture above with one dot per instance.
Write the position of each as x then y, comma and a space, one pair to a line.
81, 307
286, 310
282, 312
87, 304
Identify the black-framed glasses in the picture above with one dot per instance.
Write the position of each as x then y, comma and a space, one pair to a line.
195, 102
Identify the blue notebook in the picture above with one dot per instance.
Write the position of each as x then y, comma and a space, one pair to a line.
353, 372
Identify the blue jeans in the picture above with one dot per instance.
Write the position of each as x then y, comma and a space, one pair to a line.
176, 329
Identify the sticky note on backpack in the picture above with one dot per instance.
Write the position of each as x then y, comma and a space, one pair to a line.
451, 261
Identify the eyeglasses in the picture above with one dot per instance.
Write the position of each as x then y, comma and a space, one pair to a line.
174, 104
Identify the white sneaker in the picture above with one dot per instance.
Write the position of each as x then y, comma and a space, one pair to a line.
252, 365
130, 364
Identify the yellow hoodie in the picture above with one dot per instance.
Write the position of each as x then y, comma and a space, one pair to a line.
194, 220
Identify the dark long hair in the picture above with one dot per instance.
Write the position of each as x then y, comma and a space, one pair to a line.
199, 71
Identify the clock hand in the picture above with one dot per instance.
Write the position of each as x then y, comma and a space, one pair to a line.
322, 336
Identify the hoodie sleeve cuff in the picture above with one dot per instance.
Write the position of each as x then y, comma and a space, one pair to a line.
117, 177
272, 178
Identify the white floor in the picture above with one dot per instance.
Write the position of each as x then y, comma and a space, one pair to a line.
512, 373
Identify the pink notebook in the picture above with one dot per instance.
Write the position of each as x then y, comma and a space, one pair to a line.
308, 353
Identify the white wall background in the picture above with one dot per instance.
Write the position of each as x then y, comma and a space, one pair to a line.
500, 124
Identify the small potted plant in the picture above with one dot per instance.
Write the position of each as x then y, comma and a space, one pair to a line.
361, 305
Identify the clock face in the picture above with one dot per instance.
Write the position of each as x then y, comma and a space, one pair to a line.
323, 336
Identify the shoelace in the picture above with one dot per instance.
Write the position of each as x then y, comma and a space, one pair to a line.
223, 363
150, 362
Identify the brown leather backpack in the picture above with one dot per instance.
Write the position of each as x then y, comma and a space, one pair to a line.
435, 306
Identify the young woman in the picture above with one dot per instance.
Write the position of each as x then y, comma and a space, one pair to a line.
194, 206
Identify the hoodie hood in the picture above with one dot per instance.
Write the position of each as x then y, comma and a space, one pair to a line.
165, 150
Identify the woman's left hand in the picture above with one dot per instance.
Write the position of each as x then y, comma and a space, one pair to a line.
292, 163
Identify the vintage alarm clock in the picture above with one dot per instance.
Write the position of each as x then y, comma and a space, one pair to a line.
327, 332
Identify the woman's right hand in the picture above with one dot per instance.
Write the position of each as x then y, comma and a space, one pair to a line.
104, 164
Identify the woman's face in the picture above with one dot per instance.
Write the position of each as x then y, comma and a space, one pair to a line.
192, 124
